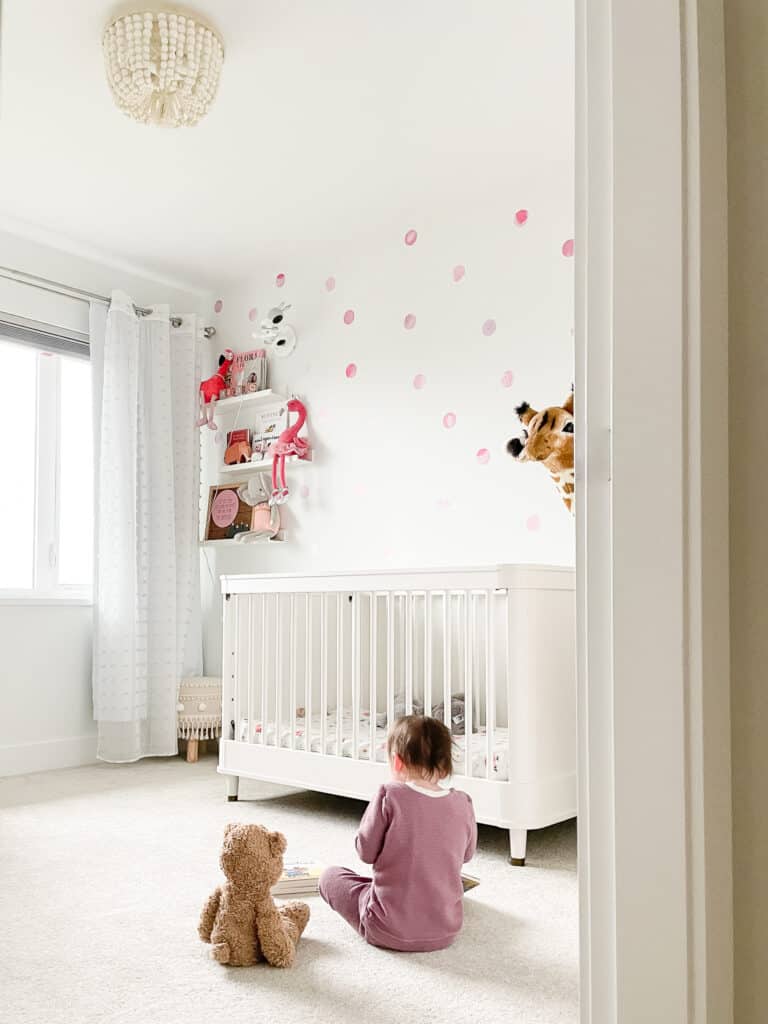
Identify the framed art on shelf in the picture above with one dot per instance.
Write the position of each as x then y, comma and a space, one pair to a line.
228, 514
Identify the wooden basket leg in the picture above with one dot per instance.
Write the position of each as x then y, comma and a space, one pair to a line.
192, 751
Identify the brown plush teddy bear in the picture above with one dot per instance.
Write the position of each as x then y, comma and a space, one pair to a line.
240, 918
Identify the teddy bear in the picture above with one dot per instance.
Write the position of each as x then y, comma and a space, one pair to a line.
240, 919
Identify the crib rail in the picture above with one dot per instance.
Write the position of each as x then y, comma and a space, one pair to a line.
325, 664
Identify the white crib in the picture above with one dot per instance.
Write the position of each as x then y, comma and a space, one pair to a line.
315, 667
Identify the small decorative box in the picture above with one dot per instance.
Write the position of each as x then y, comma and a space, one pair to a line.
199, 708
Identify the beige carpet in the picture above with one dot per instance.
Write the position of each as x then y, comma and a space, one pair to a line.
104, 870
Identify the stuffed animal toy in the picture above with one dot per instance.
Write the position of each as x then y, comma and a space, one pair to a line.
240, 919
548, 438
288, 443
458, 714
399, 709
211, 388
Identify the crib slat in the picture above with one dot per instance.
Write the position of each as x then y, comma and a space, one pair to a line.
263, 677
390, 661
236, 709
428, 652
292, 667
447, 657
355, 673
469, 673
250, 672
278, 682
308, 649
490, 679
408, 611
373, 651
323, 669
339, 674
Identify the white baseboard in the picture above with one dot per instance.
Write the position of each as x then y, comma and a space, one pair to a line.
23, 758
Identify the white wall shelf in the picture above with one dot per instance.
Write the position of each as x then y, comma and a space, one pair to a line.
245, 468
252, 401
279, 536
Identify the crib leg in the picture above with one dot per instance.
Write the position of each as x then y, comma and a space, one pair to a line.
518, 840
233, 783
192, 751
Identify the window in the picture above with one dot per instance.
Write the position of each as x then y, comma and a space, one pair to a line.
46, 468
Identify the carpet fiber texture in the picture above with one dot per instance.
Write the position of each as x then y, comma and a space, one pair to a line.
104, 870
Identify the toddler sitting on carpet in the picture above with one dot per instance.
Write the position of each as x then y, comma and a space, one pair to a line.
417, 835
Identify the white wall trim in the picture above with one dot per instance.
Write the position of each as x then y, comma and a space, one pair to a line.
70, 752
655, 820
63, 243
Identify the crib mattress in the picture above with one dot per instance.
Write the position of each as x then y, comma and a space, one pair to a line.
312, 731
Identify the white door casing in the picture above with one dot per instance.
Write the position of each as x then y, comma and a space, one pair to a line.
652, 519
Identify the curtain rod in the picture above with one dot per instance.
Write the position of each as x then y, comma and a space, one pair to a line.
80, 294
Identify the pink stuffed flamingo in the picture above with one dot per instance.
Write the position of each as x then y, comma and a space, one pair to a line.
288, 443
211, 388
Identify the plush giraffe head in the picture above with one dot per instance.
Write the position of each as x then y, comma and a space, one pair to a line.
548, 438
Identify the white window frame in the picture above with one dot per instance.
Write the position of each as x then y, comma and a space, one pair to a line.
46, 588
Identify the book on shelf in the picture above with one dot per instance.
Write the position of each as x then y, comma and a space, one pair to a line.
303, 879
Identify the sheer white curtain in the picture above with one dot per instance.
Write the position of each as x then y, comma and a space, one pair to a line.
147, 631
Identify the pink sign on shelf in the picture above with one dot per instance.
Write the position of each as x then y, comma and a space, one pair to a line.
224, 508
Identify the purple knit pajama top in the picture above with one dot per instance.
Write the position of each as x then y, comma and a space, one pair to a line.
417, 842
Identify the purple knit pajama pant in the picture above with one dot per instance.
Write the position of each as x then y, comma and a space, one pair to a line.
346, 893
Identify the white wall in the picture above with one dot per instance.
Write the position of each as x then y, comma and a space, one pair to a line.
45, 670
390, 485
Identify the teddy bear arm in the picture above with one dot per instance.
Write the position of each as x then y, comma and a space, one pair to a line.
208, 916
274, 933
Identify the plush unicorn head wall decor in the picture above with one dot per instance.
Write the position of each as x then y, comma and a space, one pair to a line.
548, 438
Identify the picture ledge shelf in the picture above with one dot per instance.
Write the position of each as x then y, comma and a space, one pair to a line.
253, 399
279, 536
262, 467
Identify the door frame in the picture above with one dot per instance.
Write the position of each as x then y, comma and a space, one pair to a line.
652, 513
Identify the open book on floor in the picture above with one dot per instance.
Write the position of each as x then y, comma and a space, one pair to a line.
303, 879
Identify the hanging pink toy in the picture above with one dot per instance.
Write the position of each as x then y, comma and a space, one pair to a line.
211, 389
288, 443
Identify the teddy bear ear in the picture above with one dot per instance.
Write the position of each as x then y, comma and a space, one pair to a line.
278, 844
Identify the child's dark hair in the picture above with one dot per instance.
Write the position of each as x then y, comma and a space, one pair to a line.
422, 743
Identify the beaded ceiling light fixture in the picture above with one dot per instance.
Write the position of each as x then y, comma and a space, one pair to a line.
163, 67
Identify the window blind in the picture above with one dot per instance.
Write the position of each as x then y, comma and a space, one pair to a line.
44, 336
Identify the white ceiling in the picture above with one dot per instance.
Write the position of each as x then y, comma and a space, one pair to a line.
333, 119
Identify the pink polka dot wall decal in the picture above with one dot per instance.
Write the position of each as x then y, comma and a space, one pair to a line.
280, 280
483, 456
330, 284
449, 420
521, 217
351, 371
507, 379
409, 322
489, 328
304, 491
349, 316
568, 247
410, 237
458, 272
419, 381
218, 306
252, 314
533, 523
